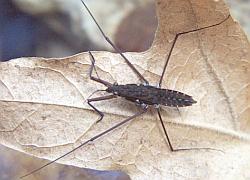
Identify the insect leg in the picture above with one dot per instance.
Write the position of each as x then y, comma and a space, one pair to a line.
90, 140
180, 149
164, 129
168, 139
116, 48
175, 39
91, 71
100, 99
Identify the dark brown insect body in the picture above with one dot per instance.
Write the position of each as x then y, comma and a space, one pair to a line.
142, 94
150, 95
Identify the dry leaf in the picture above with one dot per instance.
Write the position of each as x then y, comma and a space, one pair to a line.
44, 111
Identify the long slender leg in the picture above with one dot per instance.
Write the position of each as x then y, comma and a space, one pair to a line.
168, 139
165, 130
116, 48
100, 99
175, 39
169, 142
90, 140
91, 71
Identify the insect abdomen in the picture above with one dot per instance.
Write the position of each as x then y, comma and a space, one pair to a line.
176, 99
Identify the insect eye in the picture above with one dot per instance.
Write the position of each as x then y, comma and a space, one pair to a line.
109, 90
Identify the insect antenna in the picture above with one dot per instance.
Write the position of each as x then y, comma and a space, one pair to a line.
115, 47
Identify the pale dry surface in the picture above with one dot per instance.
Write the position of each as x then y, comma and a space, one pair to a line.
44, 111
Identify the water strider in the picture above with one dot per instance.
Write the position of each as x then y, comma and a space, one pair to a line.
143, 95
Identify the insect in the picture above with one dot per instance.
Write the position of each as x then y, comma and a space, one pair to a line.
144, 95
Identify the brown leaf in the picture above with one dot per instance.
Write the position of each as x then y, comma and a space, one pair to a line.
44, 111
